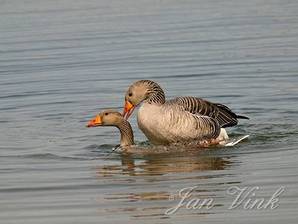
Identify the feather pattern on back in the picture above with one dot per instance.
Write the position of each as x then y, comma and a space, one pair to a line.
219, 112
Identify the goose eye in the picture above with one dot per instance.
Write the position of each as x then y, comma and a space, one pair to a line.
130, 94
106, 114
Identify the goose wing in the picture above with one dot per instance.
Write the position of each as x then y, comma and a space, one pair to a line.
206, 127
219, 112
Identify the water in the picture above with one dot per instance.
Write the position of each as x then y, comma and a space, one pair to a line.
63, 61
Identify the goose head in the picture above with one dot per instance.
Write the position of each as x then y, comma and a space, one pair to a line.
106, 118
114, 118
140, 91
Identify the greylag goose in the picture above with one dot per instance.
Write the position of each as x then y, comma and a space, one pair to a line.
114, 118
182, 119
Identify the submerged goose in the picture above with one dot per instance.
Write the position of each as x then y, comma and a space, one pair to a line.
114, 118
182, 119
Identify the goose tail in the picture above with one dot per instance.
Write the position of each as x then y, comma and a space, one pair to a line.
242, 117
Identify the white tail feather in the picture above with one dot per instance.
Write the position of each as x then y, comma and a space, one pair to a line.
235, 142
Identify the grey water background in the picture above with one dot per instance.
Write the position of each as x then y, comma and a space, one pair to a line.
61, 62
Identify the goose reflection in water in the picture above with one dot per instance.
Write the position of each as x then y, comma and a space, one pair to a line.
164, 164
159, 171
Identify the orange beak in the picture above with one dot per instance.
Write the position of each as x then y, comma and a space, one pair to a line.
95, 122
128, 109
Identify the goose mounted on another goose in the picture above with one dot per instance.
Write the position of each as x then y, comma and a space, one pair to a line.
114, 118
182, 119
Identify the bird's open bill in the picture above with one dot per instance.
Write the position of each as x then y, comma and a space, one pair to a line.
128, 109
95, 122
